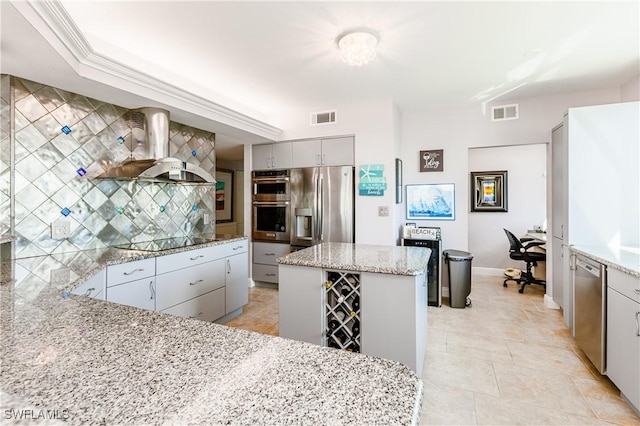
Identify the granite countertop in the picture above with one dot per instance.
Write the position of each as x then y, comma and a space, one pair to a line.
625, 259
397, 260
91, 361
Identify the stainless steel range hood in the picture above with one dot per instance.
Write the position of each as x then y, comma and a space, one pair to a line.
152, 124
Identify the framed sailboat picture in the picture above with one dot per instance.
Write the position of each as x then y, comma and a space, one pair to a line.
431, 201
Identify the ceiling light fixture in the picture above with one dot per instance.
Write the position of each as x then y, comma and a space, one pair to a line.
358, 47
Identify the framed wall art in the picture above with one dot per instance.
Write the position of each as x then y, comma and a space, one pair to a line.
489, 191
431, 201
398, 181
224, 195
432, 160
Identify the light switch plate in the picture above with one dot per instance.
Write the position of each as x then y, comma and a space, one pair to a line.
60, 229
383, 210
206, 218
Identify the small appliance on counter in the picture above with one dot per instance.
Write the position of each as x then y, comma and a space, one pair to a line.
428, 237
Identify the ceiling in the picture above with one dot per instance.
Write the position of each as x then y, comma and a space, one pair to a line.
265, 59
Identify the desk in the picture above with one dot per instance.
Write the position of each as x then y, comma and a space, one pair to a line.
540, 271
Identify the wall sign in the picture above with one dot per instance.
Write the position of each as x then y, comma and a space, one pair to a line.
432, 160
372, 182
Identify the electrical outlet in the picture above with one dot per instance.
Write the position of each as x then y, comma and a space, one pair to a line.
60, 276
60, 229
383, 210
206, 218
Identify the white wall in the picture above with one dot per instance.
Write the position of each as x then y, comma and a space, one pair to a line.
376, 131
526, 201
630, 91
604, 177
457, 129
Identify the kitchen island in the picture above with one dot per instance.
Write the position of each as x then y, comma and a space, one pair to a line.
84, 360
363, 298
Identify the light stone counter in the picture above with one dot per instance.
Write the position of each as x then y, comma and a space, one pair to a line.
624, 259
396, 260
90, 361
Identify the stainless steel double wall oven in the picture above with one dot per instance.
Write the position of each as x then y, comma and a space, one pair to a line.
271, 194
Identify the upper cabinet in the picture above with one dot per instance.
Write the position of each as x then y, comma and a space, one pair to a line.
271, 156
323, 152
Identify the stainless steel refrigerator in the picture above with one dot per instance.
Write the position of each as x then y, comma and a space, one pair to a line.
322, 205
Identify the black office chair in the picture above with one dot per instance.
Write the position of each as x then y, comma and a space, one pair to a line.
519, 249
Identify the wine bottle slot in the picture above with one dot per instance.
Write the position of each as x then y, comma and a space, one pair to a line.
340, 315
356, 303
355, 328
351, 280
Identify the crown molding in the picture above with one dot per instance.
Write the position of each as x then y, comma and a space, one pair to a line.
85, 60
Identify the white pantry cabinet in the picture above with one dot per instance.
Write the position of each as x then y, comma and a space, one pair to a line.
271, 156
323, 152
623, 334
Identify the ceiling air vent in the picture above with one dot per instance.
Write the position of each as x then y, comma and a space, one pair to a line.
504, 112
326, 117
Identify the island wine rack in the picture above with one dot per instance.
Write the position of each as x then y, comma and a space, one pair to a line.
342, 309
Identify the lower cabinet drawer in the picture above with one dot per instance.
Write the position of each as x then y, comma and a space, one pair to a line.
265, 273
185, 284
139, 294
208, 307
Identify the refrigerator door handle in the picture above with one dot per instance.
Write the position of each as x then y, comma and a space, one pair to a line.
316, 215
320, 209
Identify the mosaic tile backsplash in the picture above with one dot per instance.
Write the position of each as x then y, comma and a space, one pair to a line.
62, 140
5, 155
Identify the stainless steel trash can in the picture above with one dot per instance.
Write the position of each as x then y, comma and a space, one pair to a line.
457, 270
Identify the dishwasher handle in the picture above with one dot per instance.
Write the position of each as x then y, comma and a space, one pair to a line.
592, 268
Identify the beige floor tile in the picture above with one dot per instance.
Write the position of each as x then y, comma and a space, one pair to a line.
455, 370
537, 387
491, 410
606, 402
444, 405
506, 360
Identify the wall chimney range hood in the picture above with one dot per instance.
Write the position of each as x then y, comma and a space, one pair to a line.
151, 126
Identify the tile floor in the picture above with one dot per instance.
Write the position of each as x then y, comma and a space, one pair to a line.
506, 360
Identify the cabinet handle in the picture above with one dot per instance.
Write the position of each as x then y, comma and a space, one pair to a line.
324, 159
152, 290
197, 257
637, 324
636, 290
134, 271
237, 247
197, 281
270, 275
269, 254
228, 266
196, 315
89, 291
318, 159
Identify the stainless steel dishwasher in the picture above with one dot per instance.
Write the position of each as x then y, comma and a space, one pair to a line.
590, 309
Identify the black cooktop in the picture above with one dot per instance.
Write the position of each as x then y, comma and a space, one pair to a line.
165, 244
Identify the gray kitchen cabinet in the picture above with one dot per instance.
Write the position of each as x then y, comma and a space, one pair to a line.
301, 303
236, 282
265, 267
271, 156
323, 152
94, 287
623, 334
132, 283
207, 307
139, 293
183, 284
389, 303
125, 272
